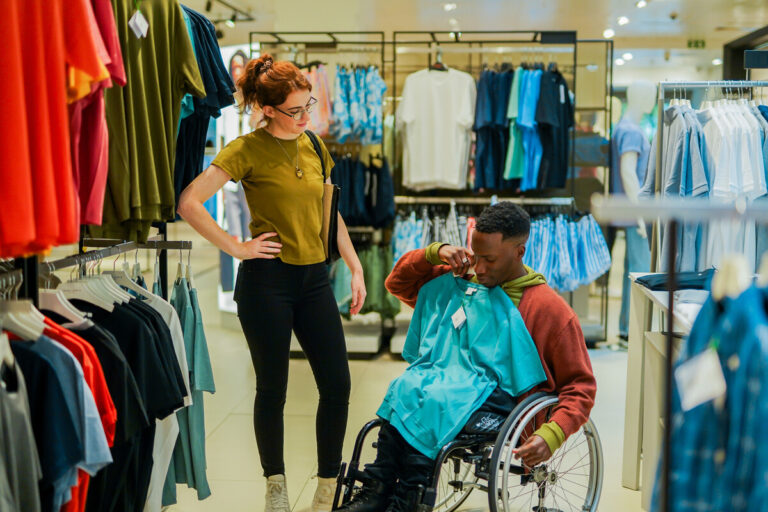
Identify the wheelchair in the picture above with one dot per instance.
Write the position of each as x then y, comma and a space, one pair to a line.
571, 480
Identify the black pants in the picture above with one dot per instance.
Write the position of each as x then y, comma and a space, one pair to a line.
402, 468
274, 298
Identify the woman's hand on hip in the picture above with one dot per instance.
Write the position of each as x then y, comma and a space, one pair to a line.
358, 292
260, 247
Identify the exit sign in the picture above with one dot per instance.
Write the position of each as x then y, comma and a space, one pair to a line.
697, 43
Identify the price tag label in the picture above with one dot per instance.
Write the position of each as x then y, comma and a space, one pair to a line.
139, 24
700, 379
562, 93
459, 318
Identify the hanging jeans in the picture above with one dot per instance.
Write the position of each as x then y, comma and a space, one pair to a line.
274, 298
637, 258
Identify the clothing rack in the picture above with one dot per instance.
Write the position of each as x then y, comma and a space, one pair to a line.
674, 211
664, 88
307, 43
523, 201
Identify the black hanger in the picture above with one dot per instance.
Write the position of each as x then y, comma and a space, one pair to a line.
552, 67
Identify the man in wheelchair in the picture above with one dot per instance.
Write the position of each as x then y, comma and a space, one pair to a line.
477, 344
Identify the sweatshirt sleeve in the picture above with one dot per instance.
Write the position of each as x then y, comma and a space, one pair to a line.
411, 272
571, 370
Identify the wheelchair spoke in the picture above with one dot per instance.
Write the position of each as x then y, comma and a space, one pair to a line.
578, 461
573, 482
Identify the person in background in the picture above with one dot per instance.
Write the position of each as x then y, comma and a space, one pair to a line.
282, 283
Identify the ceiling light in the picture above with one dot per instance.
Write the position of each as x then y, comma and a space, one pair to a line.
231, 21
449, 7
608, 33
641, 3
627, 56
453, 35
620, 61
623, 20
717, 62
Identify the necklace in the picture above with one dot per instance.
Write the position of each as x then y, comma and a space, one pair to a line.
299, 172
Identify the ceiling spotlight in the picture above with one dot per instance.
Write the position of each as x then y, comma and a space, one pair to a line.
208, 5
641, 3
620, 61
627, 56
623, 20
453, 35
608, 33
717, 62
449, 7
231, 21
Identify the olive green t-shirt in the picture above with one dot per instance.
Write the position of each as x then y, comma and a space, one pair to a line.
279, 201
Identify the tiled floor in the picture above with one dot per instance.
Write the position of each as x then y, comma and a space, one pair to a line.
233, 461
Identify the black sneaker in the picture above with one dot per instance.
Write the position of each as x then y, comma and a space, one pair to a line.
373, 497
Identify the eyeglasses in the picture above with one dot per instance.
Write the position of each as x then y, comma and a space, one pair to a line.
298, 114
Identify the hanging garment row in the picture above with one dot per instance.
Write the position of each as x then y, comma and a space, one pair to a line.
522, 119
719, 434
101, 395
719, 151
569, 252
377, 262
98, 136
358, 98
367, 196
142, 184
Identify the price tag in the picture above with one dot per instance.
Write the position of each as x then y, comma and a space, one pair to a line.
459, 318
700, 379
562, 93
139, 24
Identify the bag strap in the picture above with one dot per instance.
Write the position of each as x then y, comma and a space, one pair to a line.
318, 150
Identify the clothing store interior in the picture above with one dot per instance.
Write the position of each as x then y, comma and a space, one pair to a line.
379, 256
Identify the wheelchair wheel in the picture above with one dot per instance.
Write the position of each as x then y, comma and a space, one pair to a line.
456, 482
571, 480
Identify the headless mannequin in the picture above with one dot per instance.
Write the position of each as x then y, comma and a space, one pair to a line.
641, 96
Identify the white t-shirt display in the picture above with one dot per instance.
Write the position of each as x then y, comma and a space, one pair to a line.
435, 117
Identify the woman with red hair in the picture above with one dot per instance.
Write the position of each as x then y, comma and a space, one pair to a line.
282, 283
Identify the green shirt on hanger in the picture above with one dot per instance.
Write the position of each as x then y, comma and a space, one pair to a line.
143, 116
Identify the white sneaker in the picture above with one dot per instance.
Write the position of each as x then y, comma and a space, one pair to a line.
277, 495
326, 490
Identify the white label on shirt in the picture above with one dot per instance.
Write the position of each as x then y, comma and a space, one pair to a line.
139, 25
700, 379
562, 93
459, 317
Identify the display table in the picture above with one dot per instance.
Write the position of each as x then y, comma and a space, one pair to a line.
643, 426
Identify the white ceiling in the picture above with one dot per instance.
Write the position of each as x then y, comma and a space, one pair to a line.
661, 25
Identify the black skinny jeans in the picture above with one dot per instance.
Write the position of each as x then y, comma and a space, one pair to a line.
274, 298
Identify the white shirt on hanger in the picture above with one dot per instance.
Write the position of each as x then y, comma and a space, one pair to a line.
436, 116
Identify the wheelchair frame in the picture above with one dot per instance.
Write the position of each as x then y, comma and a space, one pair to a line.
485, 452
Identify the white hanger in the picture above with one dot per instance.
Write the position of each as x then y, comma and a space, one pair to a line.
731, 278
121, 278
189, 269
180, 267
136, 272
85, 290
20, 316
54, 300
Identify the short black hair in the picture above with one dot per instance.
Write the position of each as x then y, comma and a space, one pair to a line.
506, 218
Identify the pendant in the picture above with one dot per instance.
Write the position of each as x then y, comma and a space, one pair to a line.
299, 173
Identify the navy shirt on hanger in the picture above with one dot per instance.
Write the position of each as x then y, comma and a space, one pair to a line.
554, 116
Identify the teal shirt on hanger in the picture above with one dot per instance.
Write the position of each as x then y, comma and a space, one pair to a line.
454, 369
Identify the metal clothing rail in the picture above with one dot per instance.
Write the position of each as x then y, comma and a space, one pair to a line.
437, 47
112, 249
674, 211
524, 201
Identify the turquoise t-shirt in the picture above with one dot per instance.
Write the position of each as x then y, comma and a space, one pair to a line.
454, 370
189, 462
